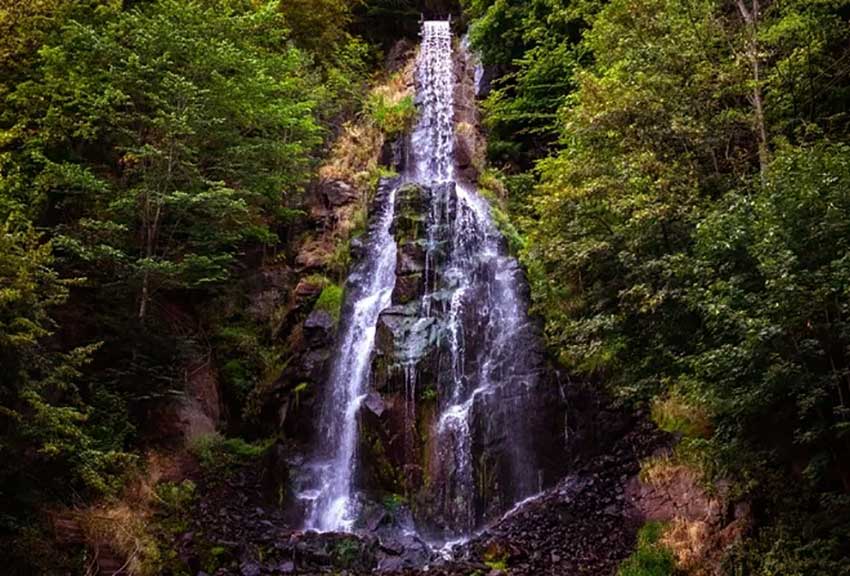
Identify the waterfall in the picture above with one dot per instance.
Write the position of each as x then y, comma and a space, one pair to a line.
369, 289
486, 323
472, 301
433, 138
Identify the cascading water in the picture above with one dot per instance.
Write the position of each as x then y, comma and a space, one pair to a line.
433, 138
486, 315
466, 340
369, 290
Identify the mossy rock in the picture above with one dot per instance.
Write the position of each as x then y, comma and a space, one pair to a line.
379, 473
412, 197
408, 288
409, 227
330, 300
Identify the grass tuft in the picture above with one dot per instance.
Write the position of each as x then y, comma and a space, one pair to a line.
217, 453
330, 300
675, 414
651, 558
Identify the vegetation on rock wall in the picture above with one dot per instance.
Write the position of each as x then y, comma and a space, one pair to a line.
650, 558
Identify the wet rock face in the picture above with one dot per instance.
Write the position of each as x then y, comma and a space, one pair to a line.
405, 352
394, 154
412, 381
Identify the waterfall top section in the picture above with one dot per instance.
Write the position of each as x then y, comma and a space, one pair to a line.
433, 137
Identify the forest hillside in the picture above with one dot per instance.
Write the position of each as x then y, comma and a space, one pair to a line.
394, 286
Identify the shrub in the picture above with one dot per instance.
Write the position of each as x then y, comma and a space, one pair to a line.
216, 453
391, 118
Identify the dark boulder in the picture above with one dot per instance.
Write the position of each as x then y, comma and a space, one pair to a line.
338, 193
319, 329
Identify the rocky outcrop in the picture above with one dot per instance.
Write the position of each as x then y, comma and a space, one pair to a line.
701, 523
470, 145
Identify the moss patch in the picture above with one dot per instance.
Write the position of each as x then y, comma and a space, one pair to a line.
496, 557
330, 300
651, 558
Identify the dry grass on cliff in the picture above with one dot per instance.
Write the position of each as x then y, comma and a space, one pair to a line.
664, 470
356, 151
355, 156
688, 541
117, 532
697, 530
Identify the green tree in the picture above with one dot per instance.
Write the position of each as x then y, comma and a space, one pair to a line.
47, 433
172, 132
536, 47
686, 243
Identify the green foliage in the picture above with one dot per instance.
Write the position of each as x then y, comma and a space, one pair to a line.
340, 259
385, 21
650, 558
770, 279
391, 118
238, 346
537, 44
674, 252
496, 557
808, 538
330, 300
175, 76
658, 268
175, 497
393, 502
219, 454
159, 146
173, 511
346, 552
503, 222
46, 425
491, 186
679, 415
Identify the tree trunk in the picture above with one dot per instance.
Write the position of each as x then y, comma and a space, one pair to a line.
151, 225
751, 19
